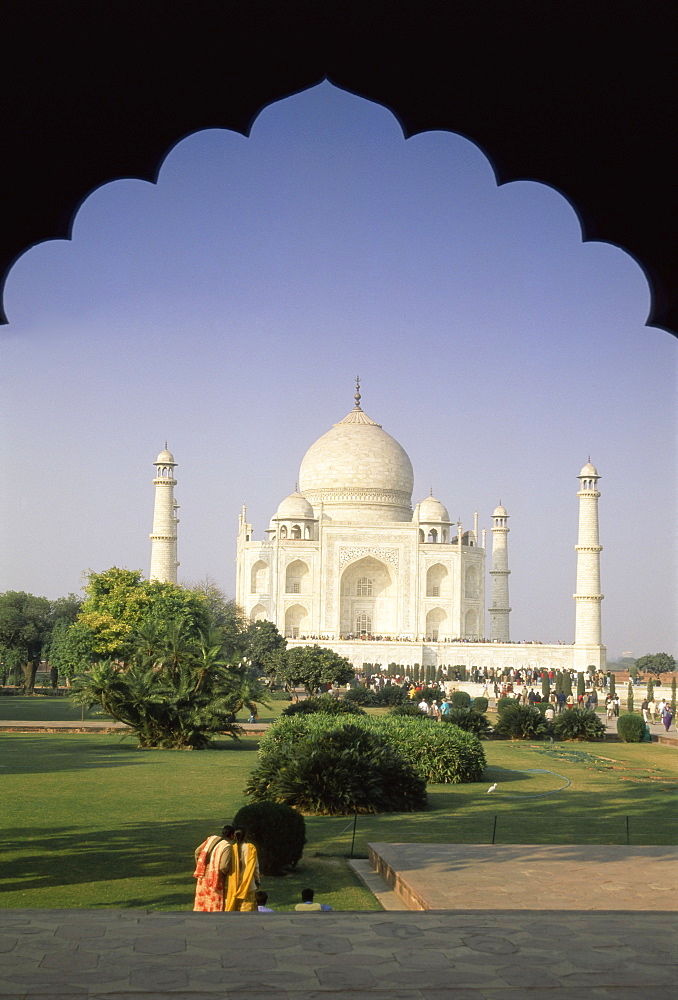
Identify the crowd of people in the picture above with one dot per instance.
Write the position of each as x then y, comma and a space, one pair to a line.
227, 877
657, 710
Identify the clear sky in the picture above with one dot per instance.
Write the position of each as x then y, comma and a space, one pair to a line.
227, 309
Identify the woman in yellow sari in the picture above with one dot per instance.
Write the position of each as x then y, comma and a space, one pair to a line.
243, 878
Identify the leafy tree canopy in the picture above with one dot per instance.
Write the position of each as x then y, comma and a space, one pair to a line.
656, 663
310, 666
263, 641
119, 602
25, 626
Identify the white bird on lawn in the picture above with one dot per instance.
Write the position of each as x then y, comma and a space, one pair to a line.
492, 788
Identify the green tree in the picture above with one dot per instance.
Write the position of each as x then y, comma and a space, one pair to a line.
263, 640
174, 692
656, 663
25, 628
613, 686
310, 666
650, 689
567, 683
545, 686
119, 602
64, 613
629, 697
581, 684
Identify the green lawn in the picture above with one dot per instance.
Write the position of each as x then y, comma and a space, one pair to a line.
48, 708
89, 821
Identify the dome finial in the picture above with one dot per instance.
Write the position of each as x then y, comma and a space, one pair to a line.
357, 392
430, 492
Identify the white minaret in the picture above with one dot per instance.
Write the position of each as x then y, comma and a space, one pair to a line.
499, 607
587, 630
164, 537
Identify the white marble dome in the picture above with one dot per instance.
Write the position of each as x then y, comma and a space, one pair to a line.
588, 470
499, 511
165, 458
294, 507
431, 509
358, 472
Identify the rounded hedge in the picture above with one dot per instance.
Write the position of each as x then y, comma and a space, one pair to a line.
331, 767
578, 724
277, 831
631, 728
480, 704
505, 702
441, 754
323, 703
460, 699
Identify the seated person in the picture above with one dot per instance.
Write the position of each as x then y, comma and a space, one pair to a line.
308, 904
261, 898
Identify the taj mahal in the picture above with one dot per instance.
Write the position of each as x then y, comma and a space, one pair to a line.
347, 562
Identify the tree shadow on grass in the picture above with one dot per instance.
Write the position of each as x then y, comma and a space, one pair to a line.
48, 752
156, 852
70, 856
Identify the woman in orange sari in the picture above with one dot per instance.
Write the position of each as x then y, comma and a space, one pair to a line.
243, 878
213, 862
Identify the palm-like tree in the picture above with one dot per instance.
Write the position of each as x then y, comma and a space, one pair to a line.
174, 691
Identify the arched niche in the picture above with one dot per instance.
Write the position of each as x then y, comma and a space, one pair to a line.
435, 621
259, 578
297, 578
368, 588
258, 613
296, 621
471, 624
437, 581
471, 582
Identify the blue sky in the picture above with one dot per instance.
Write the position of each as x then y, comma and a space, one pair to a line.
227, 309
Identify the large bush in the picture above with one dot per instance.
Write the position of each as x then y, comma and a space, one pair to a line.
360, 695
323, 703
331, 768
469, 720
480, 704
277, 831
460, 699
631, 728
410, 708
578, 724
441, 754
390, 695
505, 702
521, 722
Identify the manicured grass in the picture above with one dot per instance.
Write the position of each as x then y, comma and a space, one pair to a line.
89, 821
48, 708
42, 708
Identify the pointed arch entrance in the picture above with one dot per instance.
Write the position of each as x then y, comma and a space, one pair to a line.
368, 601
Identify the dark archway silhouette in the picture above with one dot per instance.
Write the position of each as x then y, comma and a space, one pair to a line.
577, 95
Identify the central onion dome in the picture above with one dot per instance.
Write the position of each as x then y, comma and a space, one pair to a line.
358, 472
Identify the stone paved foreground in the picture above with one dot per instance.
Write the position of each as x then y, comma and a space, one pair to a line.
461, 955
524, 877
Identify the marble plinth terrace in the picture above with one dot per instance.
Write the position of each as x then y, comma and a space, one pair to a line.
460, 955
529, 877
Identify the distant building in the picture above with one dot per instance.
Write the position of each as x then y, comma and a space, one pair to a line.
347, 562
